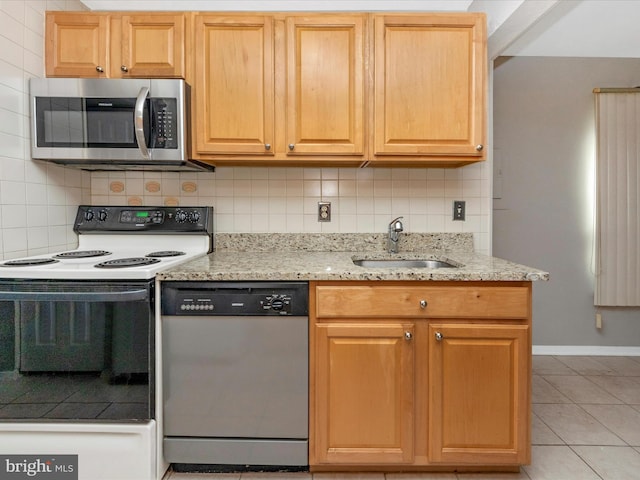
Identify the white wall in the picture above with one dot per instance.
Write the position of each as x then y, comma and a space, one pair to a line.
544, 137
37, 201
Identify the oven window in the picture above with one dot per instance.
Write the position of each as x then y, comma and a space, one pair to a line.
76, 360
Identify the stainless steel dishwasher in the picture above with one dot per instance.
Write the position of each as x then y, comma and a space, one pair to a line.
235, 373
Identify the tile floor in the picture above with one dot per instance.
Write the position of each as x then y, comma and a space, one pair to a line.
586, 426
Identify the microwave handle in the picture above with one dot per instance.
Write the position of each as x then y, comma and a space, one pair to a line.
139, 122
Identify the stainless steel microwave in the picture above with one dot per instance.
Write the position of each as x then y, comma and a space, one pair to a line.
112, 124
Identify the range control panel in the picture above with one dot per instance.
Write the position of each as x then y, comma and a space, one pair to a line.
109, 218
235, 298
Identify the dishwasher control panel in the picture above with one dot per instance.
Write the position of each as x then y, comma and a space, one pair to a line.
235, 298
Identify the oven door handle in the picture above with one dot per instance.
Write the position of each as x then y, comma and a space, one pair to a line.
71, 296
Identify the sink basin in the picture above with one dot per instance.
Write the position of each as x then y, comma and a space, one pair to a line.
392, 263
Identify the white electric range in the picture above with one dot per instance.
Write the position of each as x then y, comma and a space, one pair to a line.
78, 336
128, 243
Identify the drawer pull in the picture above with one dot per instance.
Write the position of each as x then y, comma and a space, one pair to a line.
439, 337
408, 336
423, 304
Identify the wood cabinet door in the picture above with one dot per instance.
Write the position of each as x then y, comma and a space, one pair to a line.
76, 45
325, 85
429, 84
152, 46
363, 394
234, 84
479, 384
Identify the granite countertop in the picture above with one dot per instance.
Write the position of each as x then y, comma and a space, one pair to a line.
253, 257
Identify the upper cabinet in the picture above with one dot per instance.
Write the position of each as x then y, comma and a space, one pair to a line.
279, 88
325, 85
77, 45
113, 45
234, 85
152, 46
341, 89
429, 87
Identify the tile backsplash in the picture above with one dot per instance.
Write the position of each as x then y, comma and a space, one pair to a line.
271, 199
38, 201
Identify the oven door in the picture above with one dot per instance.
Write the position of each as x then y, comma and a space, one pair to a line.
72, 350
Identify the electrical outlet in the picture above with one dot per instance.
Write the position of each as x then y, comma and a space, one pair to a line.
458, 210
324, 211
598, 321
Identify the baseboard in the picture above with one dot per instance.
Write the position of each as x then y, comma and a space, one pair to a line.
586, 350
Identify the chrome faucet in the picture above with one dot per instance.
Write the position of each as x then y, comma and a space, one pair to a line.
395, 227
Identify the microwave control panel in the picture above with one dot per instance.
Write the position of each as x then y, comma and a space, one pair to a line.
163, 123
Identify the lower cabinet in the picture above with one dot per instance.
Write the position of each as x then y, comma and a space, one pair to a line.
364, 393
479, 394
420, 388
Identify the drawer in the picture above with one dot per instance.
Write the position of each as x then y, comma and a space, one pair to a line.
466, 301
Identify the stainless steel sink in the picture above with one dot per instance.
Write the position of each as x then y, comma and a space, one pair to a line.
393, 263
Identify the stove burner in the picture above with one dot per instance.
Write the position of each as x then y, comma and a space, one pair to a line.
82, 254
28, 262
127, 262
165, 253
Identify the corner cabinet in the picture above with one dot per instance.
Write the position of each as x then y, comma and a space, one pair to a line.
115, 45
429, 98
420, 375
279, 88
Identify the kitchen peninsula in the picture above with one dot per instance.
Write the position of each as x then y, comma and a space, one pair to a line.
409, 368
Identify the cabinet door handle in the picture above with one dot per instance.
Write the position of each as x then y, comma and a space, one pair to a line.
423, 304
439, 336
124, 68
267, 146
479, 147
408, 335
99, 69
291, 146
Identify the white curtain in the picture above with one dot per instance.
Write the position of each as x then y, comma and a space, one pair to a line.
617, 199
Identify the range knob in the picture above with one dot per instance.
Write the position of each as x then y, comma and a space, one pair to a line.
181, 216
194, 216
102, 215
88, 215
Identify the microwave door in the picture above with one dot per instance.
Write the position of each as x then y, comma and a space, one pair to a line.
139, 122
